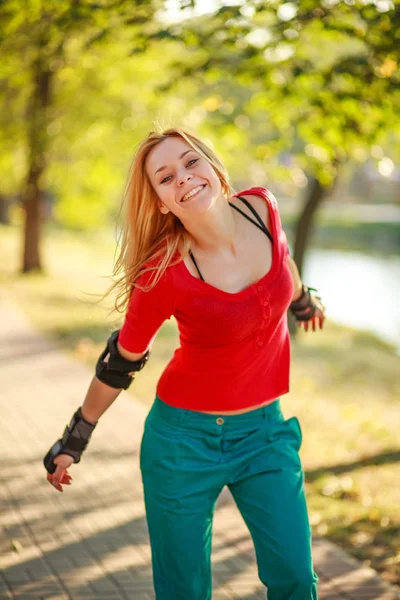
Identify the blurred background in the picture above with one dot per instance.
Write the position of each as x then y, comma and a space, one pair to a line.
300, 97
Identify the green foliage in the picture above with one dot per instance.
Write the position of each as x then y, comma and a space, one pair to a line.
80, 98
260, 81
323, 81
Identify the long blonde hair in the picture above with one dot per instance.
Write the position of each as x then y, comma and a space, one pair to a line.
147, 235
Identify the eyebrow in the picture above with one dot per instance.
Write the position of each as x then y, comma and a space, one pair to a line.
181, 156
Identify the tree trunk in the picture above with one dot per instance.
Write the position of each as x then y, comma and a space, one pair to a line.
315, 193
32, 202
37, 142
4, 205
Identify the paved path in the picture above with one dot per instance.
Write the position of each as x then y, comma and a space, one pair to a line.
91, 541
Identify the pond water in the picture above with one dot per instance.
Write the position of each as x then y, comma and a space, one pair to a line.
358, 290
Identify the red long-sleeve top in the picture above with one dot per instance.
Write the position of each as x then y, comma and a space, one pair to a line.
234, 350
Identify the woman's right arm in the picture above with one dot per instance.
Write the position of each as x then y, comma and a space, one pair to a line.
100, 396
145, 315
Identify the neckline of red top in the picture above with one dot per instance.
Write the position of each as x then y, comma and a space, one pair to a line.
257, 284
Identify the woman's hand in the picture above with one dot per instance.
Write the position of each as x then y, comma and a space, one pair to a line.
61, 475
317, 319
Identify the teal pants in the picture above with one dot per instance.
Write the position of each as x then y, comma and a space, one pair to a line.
186, 459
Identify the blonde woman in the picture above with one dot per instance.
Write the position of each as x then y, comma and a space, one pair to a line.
219, 263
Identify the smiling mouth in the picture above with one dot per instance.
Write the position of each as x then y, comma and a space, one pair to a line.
199, 188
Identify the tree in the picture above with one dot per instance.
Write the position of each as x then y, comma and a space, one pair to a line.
35, 42
11, 147
353, 96
323, 80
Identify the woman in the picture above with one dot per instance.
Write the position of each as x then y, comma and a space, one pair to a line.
219, 263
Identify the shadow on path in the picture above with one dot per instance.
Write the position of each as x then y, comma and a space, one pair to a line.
387, 457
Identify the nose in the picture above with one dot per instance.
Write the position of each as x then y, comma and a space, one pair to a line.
183, 177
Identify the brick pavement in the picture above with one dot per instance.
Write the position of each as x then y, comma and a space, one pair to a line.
91, 541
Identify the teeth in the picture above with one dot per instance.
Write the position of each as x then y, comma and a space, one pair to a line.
192, 193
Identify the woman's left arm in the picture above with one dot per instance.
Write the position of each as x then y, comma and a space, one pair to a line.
298, 285
305, 306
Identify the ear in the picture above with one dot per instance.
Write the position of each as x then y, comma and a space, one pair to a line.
163, 208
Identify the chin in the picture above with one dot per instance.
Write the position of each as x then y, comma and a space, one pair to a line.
205, 204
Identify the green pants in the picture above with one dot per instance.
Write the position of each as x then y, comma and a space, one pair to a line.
186, 459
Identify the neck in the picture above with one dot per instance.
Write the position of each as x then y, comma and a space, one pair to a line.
214, 230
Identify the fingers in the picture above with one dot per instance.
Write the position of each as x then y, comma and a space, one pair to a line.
59, 478
317, 319
321, 317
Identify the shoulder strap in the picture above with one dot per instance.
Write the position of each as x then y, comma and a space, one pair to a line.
195, 264
261, 225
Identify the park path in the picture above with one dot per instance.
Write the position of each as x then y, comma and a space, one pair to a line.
91, 541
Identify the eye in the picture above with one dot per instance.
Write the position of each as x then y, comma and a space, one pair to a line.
190, 163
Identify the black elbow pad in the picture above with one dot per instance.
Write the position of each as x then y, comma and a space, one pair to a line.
115, 372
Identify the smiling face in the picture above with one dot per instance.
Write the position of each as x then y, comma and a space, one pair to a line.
183, 180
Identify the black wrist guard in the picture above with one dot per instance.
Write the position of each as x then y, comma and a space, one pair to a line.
304, 308
115, 372
73, 442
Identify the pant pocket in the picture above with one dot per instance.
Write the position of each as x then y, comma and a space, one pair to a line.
159, 448
297, 430
286, 431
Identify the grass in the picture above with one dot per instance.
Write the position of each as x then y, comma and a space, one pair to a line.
344, 389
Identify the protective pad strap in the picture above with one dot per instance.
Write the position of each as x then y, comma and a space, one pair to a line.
115, 372
54, 451
112, 378
73, 443
304, 308
75, 438
118, 362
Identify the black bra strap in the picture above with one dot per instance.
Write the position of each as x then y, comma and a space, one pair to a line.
195, 264
262, 225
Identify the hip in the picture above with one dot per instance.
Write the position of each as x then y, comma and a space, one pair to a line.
185, 441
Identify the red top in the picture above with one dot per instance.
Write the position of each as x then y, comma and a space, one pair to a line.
234, 349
